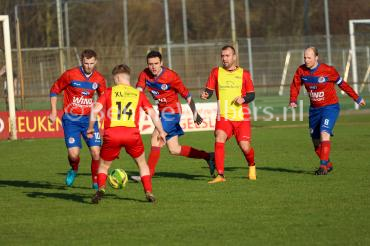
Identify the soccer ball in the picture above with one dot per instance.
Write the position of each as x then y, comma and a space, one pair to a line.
117, 178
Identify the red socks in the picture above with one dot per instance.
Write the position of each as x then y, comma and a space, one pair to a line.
74, 163
249, 157
147, 183
220, 157
154, 155
325, 152
94, 170
190, 152
102, 179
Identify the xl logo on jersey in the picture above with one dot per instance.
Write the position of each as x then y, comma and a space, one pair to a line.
118, 94
317, 96
85, 93
82, 101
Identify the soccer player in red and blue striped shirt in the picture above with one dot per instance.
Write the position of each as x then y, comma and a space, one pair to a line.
79, 85
164, 85
320, 79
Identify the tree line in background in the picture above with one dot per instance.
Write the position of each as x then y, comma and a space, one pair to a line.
100, 23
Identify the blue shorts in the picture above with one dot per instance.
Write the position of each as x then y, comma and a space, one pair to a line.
171, 124
76, 125
323, 119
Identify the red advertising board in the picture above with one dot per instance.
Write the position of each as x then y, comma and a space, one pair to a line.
32, 124
35, 124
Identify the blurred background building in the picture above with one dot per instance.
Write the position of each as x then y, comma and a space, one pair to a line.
270, 35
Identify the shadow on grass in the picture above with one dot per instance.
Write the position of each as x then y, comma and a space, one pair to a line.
285, 170
77, 197
38, 185
272, 169
78, 174
179, 175
31, 184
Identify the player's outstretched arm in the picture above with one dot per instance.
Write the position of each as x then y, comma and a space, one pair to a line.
295, 88
344, 86
362, 102
157, 123
206, 94
94, 113
56, 89
53, 113
249, 97
293, 105
196, 117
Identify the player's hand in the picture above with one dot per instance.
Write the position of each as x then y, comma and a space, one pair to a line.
239, 100
204, 95
90, 132
53, 117
292, 105
197, 119
362, 102
162, 138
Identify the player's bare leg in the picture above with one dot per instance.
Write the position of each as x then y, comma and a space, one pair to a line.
94, 152
324, 154
101, 180
248, 152
74, 161
221, 138
154, 155
175, 148
146, 179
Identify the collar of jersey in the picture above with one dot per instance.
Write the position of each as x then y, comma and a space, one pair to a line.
236, 69
84, 74
314, 69
159, 75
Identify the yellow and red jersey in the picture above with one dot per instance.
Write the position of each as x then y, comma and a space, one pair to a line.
164, 89
229, 85
78, 90
122, 105
320, 85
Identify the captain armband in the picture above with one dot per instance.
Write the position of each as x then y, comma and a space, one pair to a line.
249, 97
209, 92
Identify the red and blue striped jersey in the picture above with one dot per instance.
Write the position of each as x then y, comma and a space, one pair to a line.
164, 89
78, 90
320, 85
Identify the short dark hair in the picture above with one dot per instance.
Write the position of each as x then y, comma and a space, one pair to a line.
229, 47
314, 49
153, 54
88, 53
122, 68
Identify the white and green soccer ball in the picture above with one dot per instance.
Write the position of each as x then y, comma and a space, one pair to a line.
117, 178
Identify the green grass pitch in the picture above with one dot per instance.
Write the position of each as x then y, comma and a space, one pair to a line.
287, 205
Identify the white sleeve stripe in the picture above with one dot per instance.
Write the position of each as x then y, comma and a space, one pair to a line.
340, 80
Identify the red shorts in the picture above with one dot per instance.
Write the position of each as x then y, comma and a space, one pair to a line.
241, 129
116, 138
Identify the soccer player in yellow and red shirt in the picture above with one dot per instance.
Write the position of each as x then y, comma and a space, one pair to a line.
319, 80
121, 105
234, 91
79, 85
